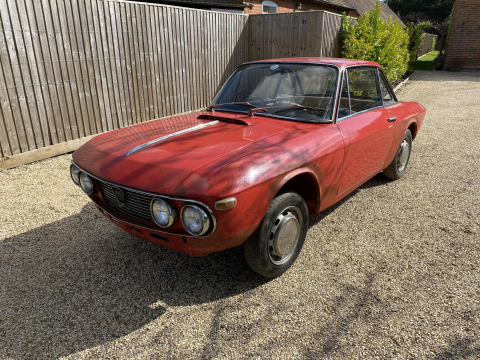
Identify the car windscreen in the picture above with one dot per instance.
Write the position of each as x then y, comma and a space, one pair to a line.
297, 91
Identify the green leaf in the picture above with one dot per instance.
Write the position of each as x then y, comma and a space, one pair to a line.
374, 39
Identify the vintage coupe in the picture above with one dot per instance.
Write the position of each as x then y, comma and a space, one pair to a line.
283, 139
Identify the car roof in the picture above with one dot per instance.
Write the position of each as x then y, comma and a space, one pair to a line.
321, 60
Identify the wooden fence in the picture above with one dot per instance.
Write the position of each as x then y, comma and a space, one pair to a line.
70, 69
429, 43
73, 68
309, 34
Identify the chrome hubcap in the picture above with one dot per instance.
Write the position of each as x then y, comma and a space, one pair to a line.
403, 154
284, 235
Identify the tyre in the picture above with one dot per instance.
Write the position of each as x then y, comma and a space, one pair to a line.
397, 167
279, 238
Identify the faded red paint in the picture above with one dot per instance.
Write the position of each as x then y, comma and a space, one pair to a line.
250, 161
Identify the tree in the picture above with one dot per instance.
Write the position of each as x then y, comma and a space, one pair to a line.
436, 11
374, 39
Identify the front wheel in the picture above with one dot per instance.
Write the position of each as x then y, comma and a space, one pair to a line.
397, 167
275, 245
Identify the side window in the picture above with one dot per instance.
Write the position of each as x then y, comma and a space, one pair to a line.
387, 96
316, 88
344, 107
364, 94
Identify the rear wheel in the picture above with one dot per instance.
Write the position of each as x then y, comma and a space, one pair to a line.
275, 245
397, 167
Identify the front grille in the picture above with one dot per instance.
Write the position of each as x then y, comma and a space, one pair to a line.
135, 205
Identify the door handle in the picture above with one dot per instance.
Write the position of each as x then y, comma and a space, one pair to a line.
392, 119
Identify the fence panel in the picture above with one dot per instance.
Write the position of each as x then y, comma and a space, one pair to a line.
301, 34
331, 31
428, 44
70, 69
73, 68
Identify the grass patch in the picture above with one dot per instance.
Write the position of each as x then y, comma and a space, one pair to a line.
425, 62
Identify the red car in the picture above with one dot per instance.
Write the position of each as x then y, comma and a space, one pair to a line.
283, 139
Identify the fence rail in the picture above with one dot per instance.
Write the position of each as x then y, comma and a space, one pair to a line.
70, 69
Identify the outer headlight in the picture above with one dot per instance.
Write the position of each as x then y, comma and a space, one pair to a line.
86, 183
195, 220
75, 174
163, 214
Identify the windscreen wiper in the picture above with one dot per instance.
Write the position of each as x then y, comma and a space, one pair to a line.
300, 107
296, 119
212, 107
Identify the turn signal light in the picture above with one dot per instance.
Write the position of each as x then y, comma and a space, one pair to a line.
226, 204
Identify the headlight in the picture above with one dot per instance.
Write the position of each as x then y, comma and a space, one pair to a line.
163, 214
75, 174
195, 220
86, 183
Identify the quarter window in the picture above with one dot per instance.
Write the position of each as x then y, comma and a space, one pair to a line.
344, 107
387, 96
364, 92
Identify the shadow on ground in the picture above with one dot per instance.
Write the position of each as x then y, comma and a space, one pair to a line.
446, 76
85, 282
377, 180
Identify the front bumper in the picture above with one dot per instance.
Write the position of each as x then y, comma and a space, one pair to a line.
231, 227
196, 246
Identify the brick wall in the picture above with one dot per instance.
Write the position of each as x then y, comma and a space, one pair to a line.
289, 6
463, 51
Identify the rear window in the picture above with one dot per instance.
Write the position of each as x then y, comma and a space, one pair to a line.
387, 95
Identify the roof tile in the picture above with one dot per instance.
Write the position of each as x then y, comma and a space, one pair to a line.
363, 6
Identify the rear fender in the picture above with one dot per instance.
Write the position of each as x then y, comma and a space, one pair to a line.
413, 121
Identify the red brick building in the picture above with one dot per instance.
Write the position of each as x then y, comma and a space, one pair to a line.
282, 6
352, 7
463, 49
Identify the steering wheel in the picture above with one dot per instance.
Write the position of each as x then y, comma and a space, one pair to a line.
238, 93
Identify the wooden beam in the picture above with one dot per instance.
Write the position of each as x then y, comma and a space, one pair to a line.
9, 162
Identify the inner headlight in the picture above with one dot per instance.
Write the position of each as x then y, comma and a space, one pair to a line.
163, 214
195, 220
86, 183
75, 174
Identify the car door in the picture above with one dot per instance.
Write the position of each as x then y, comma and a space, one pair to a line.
367, 127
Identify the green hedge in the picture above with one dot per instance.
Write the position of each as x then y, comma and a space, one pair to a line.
374, 39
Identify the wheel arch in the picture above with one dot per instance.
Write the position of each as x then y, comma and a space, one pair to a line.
304, 182
413, 129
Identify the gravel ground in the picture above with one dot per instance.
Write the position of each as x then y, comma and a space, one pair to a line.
390, 272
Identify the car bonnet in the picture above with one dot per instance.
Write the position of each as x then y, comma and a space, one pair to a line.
158, 155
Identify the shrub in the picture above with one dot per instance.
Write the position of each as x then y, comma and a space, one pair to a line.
374, 39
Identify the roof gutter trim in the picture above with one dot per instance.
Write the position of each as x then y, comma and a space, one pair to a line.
334, 5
